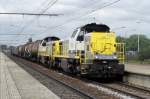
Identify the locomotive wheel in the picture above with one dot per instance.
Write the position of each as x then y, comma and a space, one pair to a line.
119, 77
38, 59
50, 64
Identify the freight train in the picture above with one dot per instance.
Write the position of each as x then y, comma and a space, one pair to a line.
91, 51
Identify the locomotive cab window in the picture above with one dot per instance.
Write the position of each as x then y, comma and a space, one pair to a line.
80, 36
44, 43
74, 33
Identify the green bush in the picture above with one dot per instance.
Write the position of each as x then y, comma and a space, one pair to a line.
144, 53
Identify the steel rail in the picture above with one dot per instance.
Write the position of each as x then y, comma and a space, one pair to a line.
119, 91
61, 82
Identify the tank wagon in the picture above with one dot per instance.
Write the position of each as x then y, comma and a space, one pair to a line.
31, 50
34, 50
91, 51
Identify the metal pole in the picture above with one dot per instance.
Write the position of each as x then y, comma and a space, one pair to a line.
138, 43
138, 22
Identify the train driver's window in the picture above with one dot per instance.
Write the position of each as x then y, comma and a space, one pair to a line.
80, 36
74, 33
44, 43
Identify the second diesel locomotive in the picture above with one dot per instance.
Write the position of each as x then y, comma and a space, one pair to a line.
91, 51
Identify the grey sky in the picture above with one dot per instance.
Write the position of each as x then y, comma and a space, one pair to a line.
131, 14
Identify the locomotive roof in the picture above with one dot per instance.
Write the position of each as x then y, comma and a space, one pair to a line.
51, 38
95, 27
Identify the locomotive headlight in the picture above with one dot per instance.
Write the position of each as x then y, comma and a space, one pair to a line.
115, 57
96, 56
109, 67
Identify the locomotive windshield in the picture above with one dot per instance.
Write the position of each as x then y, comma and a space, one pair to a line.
93, 27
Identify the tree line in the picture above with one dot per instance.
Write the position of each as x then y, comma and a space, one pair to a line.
131, 44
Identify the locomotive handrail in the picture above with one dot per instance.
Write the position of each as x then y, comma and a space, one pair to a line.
120, 52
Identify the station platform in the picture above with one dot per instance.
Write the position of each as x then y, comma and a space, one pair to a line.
16, 83
138, 69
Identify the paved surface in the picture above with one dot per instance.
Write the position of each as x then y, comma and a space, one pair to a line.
15, 83
139, 69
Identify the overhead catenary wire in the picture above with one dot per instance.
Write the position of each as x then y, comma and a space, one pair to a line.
35, 14
16, 34
50, 4
76, 18
41, 5
29, 14
70, 20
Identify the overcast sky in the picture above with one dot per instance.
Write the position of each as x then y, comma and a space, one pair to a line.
125, 17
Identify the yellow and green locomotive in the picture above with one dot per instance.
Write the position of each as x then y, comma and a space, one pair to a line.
91, 51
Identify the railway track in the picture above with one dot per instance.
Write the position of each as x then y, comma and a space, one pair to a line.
65, 84
120, 87
132, 89
91, 89
72, 83
126, 89
42, 72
